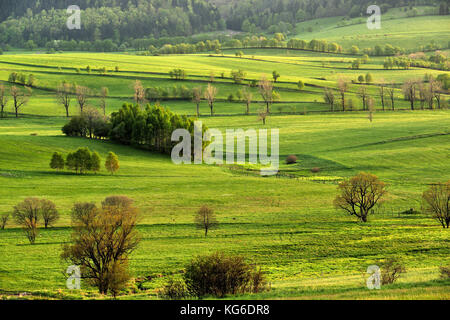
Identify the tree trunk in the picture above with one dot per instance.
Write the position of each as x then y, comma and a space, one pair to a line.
198, 110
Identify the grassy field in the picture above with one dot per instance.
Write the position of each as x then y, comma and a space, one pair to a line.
288, 226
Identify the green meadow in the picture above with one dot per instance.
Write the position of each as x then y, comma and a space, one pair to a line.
285, 224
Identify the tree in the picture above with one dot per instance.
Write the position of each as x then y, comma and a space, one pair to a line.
343, 87
4, 220
101, 243
48, 212
266, 91
300, 85
205, 219
210, 96
95, 162
57, 161
139, 92
355, 50
328, 97
436, 202
247, 96
26, 214
82, 94
79, 161
381, 92
370, 107
369, 78
91, 117
237, 76
263, 116
112, 163
103, 96
31, 80
178, 74
20, 98
275, 76
359, 194
121, 202
409, 91
3, 100
64, 95
197, 94
362, 92
390, 92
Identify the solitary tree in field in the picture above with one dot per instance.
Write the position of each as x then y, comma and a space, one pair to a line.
205, 219
436, 202
64, 95
263, 116
275, 76
4, 220
328, 97
20, 98
300, 85
48, 212
266, 91
210, 96
57, 161
197, 94
247, 96
409, 92
82, 95
101, 244
103, 96
343, 87
359, 194
26, 214
112, 163
3, 100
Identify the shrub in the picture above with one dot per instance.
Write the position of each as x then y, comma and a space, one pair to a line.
315, 169
445, 272
391, 270
291, 159
174, 290
220, 274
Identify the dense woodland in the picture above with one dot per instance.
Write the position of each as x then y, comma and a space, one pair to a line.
30, 23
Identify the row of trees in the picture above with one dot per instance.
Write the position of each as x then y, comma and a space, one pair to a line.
426, 92
66, 91
83, 160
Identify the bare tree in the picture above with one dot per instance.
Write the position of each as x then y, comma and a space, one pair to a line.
263, 116
3, 99
210, 96
49, 213
437, 92
409, 91
360, 194
26, 214
20, 98
370, 107
328, 97
91, 115
139, 92
103, 96
197, 94
205, 219
390, 92
101, 244
343, 87
82, 94
266, 91
247, 96
64, 95
362, 92
436, 202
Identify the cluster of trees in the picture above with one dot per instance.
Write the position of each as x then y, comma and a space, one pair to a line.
21, 78
426, 92
437, 61
116, 20
18, 96
29, 213
83, 160
361, 193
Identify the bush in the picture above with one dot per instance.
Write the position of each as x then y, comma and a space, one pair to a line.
174, 290
391, 270
219, 274
445, 272
315, 170
291, 159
